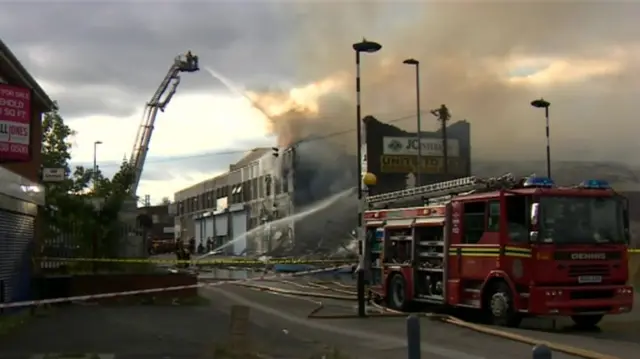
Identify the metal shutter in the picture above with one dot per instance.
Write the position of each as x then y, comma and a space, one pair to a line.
16, 233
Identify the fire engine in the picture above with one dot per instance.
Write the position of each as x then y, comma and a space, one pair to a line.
507, 247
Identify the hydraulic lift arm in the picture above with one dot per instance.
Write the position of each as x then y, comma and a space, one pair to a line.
159, 100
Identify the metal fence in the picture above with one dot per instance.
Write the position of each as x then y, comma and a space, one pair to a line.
126, 241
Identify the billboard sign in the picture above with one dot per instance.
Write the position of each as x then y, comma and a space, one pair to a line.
15, 120
429, 164
408, 146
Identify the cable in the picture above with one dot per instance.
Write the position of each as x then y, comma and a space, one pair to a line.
386, 312
239, 151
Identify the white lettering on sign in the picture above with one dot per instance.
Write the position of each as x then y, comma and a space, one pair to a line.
15, 120
429, 146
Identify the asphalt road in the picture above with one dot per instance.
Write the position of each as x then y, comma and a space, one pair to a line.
619, 336
142, 332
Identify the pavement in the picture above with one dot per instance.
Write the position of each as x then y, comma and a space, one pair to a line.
618, 337
141, 332
280, 328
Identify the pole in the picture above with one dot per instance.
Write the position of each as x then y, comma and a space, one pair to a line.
413, 337
546, 115
419, 127
95, 163
443, 116
361, 206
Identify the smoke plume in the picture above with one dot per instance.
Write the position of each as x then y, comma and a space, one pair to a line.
485, 60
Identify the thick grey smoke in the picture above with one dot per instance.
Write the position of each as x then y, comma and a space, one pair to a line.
475, 58
468, 51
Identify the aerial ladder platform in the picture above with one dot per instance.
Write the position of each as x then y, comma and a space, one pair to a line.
183, 63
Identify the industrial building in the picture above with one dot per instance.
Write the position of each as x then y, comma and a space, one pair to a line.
229, 205
392, 154
284, 195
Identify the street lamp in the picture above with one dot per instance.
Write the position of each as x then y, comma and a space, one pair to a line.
416, 63
542, 103
95, 162
366, 47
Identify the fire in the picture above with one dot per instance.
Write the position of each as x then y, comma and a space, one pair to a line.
303, 99
287, 111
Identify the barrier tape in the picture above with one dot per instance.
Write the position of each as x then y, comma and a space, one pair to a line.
226, 261
31, 303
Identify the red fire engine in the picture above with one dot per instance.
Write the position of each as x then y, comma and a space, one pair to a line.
509, 248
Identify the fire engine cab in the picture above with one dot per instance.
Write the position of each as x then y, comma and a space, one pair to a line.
510, 248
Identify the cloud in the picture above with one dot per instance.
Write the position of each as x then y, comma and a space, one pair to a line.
103, 60
584, 57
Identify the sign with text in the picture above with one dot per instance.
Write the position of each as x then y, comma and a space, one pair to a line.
429, 165
15, 120
409, 146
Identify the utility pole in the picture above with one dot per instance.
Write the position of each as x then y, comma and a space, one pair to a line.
443, 115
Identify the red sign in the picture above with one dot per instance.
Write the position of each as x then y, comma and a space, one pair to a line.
15, 120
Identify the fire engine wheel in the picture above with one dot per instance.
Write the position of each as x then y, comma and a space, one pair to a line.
587, 321
500, 307
396, 298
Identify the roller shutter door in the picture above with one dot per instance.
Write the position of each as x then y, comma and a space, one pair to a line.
16, 234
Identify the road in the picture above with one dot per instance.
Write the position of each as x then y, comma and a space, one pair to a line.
619, 337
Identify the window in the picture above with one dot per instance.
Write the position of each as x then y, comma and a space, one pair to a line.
285, 182
267, 185
518, 218
493, 224
473, 221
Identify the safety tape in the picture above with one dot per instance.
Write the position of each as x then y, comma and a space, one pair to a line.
228, 261
31, 303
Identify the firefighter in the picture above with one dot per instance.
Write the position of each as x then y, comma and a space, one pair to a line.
192, 245
179, 250
201, 247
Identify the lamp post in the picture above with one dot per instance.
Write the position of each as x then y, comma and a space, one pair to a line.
95, 162
416, 63
366, 47
542, 103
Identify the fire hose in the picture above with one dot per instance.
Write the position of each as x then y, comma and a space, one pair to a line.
343, 294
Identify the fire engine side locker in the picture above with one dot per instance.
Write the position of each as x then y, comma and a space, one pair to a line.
425, 253
406, 270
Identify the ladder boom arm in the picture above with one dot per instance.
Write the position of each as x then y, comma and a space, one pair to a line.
444, 189
158, 101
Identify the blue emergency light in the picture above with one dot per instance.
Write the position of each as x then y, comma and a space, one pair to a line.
538, 182
595, 184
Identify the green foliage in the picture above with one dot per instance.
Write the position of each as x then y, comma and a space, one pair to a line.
85, 204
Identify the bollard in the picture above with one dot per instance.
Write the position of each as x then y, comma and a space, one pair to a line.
2, 298
413, 337
541, 351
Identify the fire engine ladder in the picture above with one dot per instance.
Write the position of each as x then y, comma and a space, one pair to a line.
446, 189
159, 101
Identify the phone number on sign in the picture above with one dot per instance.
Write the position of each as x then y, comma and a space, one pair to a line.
14, 148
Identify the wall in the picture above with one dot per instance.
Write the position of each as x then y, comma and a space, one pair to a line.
376, 131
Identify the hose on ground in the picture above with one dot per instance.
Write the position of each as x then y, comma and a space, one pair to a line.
345, 295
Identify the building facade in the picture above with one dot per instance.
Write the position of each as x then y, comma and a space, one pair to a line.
392, 155
228, 208
22, 103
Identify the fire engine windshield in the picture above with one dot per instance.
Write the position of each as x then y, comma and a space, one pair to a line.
580, 220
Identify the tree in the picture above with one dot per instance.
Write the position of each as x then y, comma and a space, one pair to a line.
166, 201
71, 210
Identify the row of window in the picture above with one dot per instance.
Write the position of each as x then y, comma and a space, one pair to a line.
257, 188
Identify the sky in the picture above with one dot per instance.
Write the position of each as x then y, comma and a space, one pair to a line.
289, 71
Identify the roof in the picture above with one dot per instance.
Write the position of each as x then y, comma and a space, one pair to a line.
251, 156
11, 61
